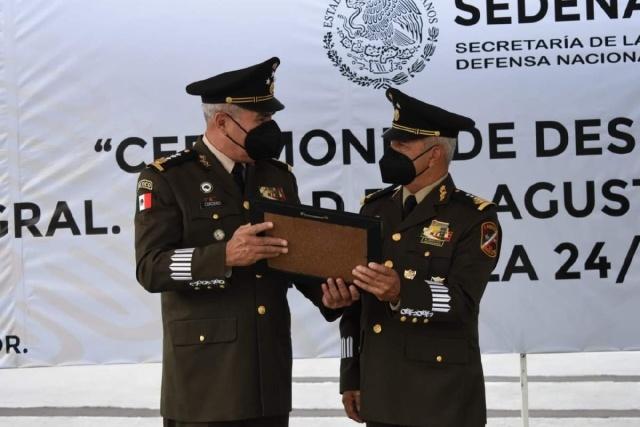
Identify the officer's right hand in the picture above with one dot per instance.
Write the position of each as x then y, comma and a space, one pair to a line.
351, 402
246, 247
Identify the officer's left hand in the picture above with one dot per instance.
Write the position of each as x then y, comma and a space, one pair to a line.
381, 281
336, 294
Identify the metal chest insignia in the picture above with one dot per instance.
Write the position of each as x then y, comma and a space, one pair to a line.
206, 187
437, 234
273, 193
410, 274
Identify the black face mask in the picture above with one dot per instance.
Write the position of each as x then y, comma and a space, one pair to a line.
263, 141
396, 168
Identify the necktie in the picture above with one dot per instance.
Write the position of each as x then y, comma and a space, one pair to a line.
409, 204
238, 175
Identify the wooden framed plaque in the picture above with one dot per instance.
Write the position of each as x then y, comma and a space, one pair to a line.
323, 243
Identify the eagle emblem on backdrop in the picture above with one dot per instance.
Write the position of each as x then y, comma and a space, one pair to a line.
380, 43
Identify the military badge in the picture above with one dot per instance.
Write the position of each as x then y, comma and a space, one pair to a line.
203, 161
273, 193
206, 187
145, 184
489, 239
436, 280
410, 274
144, 202
437, 234
443, 192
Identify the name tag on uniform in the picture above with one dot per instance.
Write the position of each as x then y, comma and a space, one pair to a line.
210, 202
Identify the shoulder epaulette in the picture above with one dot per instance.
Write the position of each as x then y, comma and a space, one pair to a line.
376, 195
478, 202
164, 163
282, 165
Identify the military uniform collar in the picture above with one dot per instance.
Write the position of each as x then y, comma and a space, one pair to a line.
224, 160
421, 194
426, 209
210, 162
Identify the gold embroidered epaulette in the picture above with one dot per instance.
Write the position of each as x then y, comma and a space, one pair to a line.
164, 163
480, 203
376, 195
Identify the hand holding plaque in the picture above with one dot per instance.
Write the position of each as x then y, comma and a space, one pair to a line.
322, 243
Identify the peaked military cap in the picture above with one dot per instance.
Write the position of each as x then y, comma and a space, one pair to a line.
251, 88
414, 119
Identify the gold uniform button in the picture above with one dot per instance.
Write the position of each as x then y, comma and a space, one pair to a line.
246, 205
403, 319
439, 359
388, 263
377, 328
215, 216
262, 310
415, 320
425, 321
427, 254
396, 237
201, 338
258, 276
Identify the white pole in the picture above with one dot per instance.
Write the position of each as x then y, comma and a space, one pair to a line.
524, 388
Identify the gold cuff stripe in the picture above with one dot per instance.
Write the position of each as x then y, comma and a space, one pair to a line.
248, 99
416, 130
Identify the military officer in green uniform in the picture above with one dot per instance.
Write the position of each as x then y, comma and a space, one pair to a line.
227, 343
410, 345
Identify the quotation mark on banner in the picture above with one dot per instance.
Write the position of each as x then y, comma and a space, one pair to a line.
100, 146
130, 153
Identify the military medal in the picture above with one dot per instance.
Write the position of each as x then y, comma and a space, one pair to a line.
437, 234
273, 193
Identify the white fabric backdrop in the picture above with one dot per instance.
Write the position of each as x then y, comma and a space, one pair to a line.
76, 74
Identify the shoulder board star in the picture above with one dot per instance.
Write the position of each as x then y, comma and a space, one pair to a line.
376, 195
281, 165
480, 203
164, 163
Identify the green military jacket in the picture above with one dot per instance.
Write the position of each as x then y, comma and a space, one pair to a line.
419, 365
227, 340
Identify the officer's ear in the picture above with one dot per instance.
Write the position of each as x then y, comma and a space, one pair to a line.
438, 152
220, 119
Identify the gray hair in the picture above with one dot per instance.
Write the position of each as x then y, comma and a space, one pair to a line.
449, 145
210, 110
